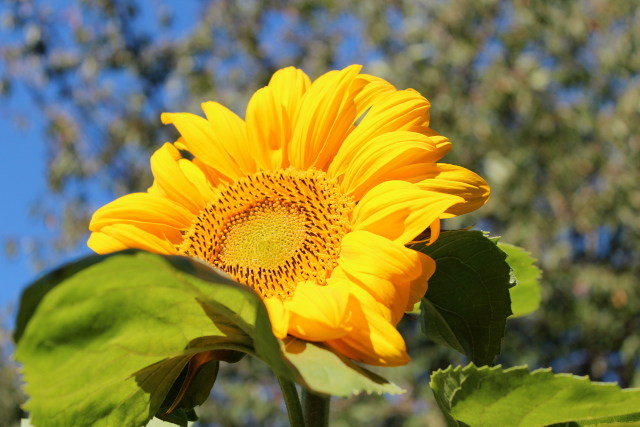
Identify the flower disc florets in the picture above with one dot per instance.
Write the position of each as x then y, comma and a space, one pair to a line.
271, 230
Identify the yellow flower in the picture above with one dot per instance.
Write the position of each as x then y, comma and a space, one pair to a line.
310, 201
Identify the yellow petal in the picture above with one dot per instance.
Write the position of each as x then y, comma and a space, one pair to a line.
213, 176
268, 130
324, 118
393, 112
278, 315
156, 190
372, 340
231, 133
341, 279
396, 292
180, 145
435, 231
379, 160
318, 313
201, 140
442, 143
374, 88
154, 214
419, 286
195, 175
399, 210
133, 237
382, 267
289, 84
102, 244
167, 172
458, 181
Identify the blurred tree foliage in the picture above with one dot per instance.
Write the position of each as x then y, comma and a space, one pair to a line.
540, 97
10, 394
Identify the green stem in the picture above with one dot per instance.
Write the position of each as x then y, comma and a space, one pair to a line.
292, 401
316, 408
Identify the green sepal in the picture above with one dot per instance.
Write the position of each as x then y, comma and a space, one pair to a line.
186, 392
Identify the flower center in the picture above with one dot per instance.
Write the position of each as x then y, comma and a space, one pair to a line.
272, 230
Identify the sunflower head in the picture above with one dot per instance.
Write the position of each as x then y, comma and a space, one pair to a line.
310, 200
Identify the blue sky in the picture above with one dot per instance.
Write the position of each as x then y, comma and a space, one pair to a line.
22, 164
22, 172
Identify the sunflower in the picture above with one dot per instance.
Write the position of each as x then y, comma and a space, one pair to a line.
311, 201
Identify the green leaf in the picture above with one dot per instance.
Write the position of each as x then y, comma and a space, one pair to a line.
632, 420
104, 340
332, 373
104, 346
153, 423
468, 302
485, 396
32, 296
525, 297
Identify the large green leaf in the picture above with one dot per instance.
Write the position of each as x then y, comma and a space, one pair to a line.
468, 302
525, 297
104, 340
632, 420
104, 346
485, 396
32, 296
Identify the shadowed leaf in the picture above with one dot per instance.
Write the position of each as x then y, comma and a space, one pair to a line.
467, 303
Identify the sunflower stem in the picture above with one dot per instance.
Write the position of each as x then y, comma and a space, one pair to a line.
316, 408
292, 401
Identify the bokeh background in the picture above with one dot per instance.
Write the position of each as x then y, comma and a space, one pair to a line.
542, 98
